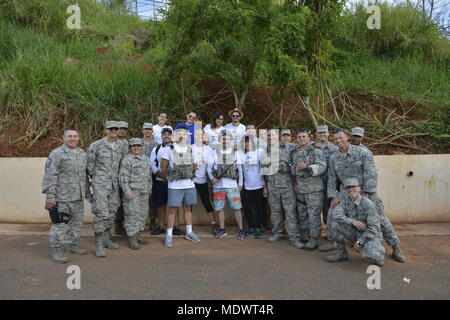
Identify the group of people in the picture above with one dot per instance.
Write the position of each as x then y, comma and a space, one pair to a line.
128, 181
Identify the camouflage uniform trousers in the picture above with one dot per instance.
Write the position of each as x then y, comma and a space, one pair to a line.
105, 204
61, 233
136, 212
309, 207
387, 228
282, 200
372, 249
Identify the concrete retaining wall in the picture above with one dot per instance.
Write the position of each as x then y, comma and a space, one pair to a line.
414, 189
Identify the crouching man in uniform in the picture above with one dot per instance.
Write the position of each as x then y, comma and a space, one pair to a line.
135, 180
64, 184
356, 219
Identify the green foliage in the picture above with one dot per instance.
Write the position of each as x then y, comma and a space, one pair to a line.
405, 30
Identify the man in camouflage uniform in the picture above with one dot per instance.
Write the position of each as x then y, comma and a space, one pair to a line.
357, 162
103, 161
357, 136
135, 179
65, 184
356, 219
148, 143
279, 187
307, 166
328, 149
121, 139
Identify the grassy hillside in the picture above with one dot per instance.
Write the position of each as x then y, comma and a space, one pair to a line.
52, 77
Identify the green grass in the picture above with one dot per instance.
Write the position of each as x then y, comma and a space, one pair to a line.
405, 77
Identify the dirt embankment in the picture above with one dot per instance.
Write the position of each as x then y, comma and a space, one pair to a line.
260, 109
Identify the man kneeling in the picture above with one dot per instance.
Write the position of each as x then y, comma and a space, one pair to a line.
357, 220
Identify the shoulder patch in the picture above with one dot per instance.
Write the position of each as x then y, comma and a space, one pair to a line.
48, 163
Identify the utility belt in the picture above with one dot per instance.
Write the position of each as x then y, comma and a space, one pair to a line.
58, 217
225, 171
181, 172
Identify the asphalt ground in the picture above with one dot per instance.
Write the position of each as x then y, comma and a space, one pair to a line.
224, 268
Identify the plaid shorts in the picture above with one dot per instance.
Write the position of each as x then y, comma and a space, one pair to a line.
220, 196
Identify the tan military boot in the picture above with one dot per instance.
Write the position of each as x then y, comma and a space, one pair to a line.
341, 254
99, 249
141, 240
107, 242
329, 246
134, 245
76, 249
58, 255
398, 254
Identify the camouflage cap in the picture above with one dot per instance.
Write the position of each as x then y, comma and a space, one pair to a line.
357, 131
111, 124
122, 124
135, 141
321, 129
147, 125
285, 131
350, 182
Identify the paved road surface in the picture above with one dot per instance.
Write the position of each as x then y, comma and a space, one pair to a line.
220, 269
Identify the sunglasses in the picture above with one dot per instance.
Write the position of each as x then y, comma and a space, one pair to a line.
123, 128
235, 116
113, 129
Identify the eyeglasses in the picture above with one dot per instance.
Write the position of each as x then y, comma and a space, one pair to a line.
113, 129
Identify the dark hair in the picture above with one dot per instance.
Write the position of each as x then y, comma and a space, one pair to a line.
217, 115
251, 123
166, 130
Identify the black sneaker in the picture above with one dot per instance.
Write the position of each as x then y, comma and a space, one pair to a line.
257, 233
177, 232
221, 233
157, 231
241, 235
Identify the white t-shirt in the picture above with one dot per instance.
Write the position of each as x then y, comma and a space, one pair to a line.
213, 135
250, 163
202, 156
153, 156
238, 132
224, 182
157, 132
168, 155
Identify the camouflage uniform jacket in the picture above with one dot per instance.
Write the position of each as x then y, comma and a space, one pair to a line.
103, 163
309, 180
147, 147
135, 174
356, 163
327, 150
278, 174
65, 174
362, 210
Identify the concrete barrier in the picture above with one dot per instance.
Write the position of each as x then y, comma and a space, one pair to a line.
414, 189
